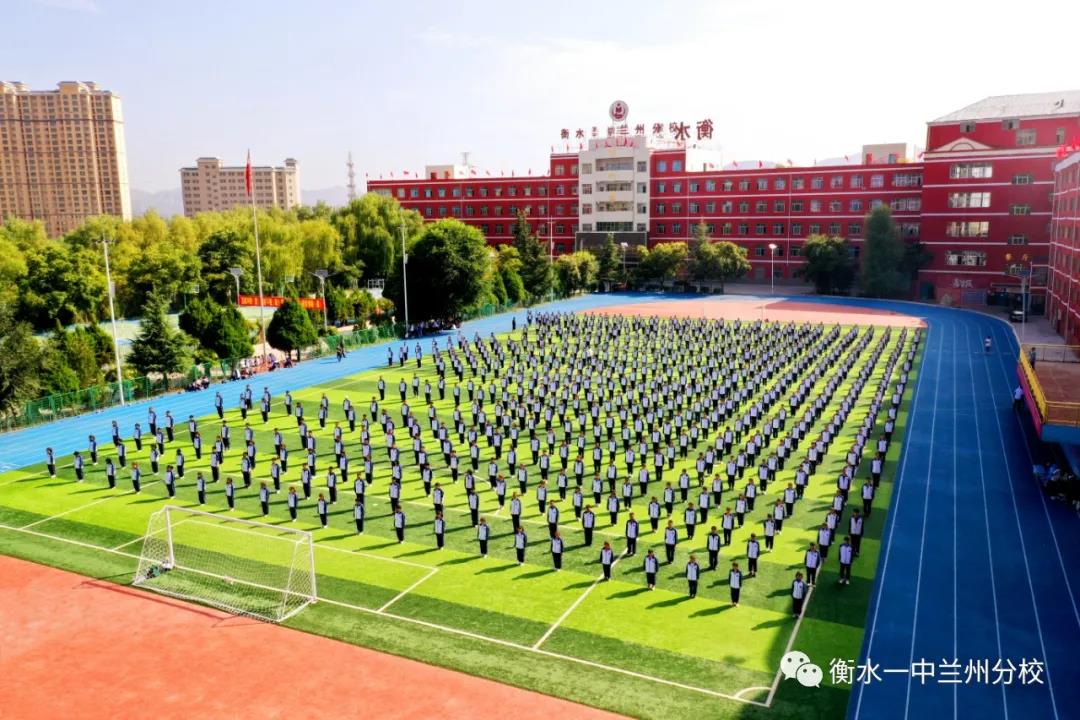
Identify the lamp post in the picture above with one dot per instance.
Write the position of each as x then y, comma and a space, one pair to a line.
322, 274
772, 268
236, 273
112, 318
1025, 288
404, 278
624, 246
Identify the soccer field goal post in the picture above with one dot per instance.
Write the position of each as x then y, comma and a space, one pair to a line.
240, 566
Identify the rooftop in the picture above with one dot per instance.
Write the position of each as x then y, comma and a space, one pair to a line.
997, 107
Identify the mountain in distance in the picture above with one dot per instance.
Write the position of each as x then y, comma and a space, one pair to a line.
335, 196
166, 202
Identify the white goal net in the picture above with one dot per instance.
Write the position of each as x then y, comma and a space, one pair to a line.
240, 566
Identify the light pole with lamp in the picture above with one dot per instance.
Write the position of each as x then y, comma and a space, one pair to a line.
112, 318
624, 246
772, 268
236, 273
404, 279
1025, 289
322, 274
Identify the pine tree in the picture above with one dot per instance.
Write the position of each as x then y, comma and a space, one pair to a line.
158, 348
291, 328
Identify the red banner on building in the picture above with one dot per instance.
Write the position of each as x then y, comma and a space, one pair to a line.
275, 301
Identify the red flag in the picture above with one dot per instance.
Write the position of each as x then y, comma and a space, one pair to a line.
530, 171
488, 173
734, 164
760, 164
405, 173
789, 162
247, 174
846, 159
472, 171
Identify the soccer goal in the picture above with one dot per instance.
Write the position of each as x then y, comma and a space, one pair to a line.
240, 566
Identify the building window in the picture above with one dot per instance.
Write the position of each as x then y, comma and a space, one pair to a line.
586, 168
573, 168
1018, 240
586, 208
797, 183
817, 183
726, 228
1025, 137
483, 192
694, 187
761, 206
969, 200
854, 229
968, 229
744, 229
676, 228
676, 187
469, 210
401, 193
759, 251
779, 184
560, 171
1059, 136
877, 180
744, 206
676, 208
1021, 179
642, 209
456, 211
815, 206
586, 227
835, 206
778, 229
643, 189
855, 206
483, 210
676, 166
968, 258
694, 208
710, 186
796, 206
661, 166
640, 166
836, 182
744, 185
427, 193
778, 206
796, 251
967, 127
856, 181
661, 187
815, 229
560, 228
660, 207
796, 228
1019, 209
834, 228
759, 229
1010, 124
762, 184
726, 206
586, 189
728, 185
442, 192
907, 180
710, 207
427, 212
971, 170
560, 190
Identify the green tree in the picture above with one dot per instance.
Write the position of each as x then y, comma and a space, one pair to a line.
829, 264
77, 349
576, 271
370, 229
508, 262
608, 267
62, 284
663, 262
447, 266
536, 271
224, 249
723, 261
158, 348
20, 362
883, 273
291, 329
221, 329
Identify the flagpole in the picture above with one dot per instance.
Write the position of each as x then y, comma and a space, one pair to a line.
258, 258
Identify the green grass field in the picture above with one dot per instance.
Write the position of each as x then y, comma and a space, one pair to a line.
611, 645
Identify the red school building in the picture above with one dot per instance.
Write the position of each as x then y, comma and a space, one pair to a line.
980, 198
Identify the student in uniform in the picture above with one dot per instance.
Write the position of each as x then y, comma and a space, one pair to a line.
77, 463
654, 514
607, 559
812, 560
631, 535
671, 539
322, 508
651, 566
552, 519
867, 498
577, 501
170, 481
712, 544
735, 583
483, 532
855, 530
521, 542
473, 500
613, 508
440, 531
588, 522
753, 551
825, 535
557, 550
136, 476
769, 532
230, 493
690, 520
264, 498
399, 524
669, 499
692, 572
110, 473
727, 524
200, 487
93, 448
799, 590
438, 497
846, 554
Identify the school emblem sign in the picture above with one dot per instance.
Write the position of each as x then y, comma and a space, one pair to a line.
619, 111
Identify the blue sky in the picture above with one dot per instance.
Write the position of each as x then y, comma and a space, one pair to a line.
405, 83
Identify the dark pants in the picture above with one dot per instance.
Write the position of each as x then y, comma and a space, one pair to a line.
693, 587
631, 545
669, 551
727, 536
797, 605
475, 516
845, 572
557, 559
607, 571
752, 565
650, 579
588, 536
768, 542
483, 547
400, 532
171, 488
292, 513
520, 555
440, 540
322, 519
714, 559
231, 499
516, 521
811, 575
856, 543
690, 531
265, 507
135, 484
867, 507
735, 595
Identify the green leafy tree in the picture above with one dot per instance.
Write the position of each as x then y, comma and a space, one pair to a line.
158, 348
370, 229
508, 262
916, 257
224, 249
883, 273
609, 262
77, 350
663, 262
447, 266
62, 284
829, 264
723, 261
536, 271
291, 329
221, 329
20, 362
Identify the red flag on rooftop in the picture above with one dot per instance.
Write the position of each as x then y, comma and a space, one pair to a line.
247, 174
530, 171
760, 164
846, 159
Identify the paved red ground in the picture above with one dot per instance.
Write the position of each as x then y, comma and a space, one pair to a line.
73, 647
764, 308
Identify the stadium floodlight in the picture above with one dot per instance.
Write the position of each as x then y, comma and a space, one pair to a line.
239, 566
236, 273
322, 274
112, 318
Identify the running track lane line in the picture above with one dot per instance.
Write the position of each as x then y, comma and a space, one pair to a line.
1046, 509
454, 631
986, 515
922, 540
1023, 544
895, 509
573, 605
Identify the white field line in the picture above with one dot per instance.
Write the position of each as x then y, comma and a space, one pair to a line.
573, 605
373, 556
77, 509
787, 649
456, 631
409, 589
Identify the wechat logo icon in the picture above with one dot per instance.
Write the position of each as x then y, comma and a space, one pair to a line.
797, 665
